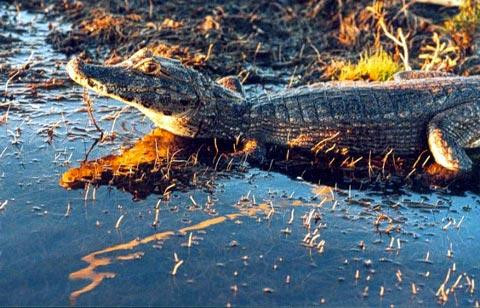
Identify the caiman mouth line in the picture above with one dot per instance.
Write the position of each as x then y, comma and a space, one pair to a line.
162, 119
76, 74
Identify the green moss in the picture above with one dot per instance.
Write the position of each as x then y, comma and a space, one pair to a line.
378, 66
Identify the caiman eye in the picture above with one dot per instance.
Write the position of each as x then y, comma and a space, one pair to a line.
148, 66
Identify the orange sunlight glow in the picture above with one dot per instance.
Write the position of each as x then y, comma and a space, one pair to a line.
152, 148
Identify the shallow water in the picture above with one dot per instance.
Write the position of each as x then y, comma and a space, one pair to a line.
244, 243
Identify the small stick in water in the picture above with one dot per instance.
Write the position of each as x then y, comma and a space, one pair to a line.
87, 189
178, 263
157, 214
460, 222
193, 201
119, 221
189, 243
398, 274
175, 268
427, 257
447, 225
3, 205
357, 274
88, 103
454, 286
67, 212
414, 289
291, 216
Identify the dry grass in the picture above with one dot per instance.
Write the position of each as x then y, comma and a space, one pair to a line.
441, 55
103, 21
377, 66
464, 26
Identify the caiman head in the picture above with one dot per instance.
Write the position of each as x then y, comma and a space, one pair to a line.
176, 98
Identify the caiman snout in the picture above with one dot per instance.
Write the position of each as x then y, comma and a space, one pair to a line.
74, 70
158, 84
173, 96
176, 98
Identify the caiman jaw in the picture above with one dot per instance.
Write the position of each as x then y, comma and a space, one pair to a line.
170, 102
74, 70
176, 98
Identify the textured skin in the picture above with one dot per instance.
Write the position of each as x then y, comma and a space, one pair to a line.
414, 110
366, 116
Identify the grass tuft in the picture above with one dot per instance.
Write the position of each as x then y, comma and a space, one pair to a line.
378, 66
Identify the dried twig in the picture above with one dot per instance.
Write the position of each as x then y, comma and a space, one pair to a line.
22, 69
400, 41
88, 103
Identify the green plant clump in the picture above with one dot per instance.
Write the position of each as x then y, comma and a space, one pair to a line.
378, 66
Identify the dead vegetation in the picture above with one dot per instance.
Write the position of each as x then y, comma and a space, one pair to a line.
464, 26
271, 41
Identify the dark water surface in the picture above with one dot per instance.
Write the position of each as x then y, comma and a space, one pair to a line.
245, 248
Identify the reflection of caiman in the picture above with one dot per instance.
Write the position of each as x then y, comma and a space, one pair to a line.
157, 163
404, 114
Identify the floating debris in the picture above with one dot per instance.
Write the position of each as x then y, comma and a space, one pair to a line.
119, 221
3, 205
68, 211
177, 265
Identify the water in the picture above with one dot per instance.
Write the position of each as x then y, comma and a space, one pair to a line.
60, 246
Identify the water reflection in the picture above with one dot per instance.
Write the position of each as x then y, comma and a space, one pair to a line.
156, 163
101, 257
160, 162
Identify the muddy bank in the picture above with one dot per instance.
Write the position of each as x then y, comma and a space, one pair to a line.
294, 42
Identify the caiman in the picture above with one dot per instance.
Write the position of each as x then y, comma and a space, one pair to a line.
414, 111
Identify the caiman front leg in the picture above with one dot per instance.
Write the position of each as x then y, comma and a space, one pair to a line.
450, 131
